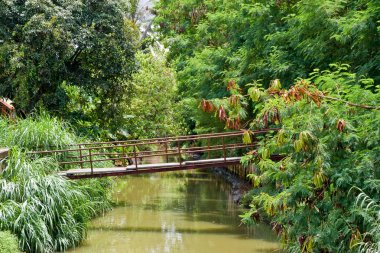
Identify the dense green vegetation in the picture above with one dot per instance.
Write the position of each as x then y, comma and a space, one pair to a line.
76, 71
47, 212
323, 196
331, 154
212, 41
53, 53
78, 61
152, 107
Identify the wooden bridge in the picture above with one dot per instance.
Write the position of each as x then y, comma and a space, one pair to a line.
118, 158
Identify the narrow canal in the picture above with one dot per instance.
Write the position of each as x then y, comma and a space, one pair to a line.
187, 212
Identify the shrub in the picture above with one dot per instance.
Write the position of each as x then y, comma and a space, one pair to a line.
8, 242
323, 196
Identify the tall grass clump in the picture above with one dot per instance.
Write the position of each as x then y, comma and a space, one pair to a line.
39, 131
47, 212
369, 210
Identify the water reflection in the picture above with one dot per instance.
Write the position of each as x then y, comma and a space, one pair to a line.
175, 212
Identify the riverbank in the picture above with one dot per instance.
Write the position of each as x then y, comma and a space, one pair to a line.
239, 186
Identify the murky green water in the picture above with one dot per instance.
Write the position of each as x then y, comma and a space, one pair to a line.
187, 212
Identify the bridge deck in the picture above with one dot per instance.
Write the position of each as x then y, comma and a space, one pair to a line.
148, 168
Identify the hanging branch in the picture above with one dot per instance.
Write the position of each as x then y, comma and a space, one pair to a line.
370, 107
302, 89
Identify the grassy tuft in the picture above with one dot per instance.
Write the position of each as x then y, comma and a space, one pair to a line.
47, 212
39, 131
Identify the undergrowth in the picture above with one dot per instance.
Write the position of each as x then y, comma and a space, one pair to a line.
45, 211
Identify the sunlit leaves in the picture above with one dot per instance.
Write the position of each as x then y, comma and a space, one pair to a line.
327, 151
280, 137
8, 242
319, 179
254, 94
152, 104
256, 180
247, 137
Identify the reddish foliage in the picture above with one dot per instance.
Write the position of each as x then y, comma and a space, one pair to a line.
341, 125
222, 113
233, 100
231, 85
207, 106
299, 91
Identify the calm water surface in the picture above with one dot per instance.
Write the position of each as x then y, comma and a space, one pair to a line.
187, 212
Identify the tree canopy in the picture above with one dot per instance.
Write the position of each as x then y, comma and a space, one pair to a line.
323, 196
309, 68
212, 41
48, 48
152, 107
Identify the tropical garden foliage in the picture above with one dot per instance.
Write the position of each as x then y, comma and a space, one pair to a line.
323, 196
54, 53
75, 60
80, 61
213, 41
152, 107
45, 211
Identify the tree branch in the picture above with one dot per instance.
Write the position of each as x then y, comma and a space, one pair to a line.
370, 107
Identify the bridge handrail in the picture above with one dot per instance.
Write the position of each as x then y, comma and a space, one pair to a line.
163, 139
172, 147
135, 142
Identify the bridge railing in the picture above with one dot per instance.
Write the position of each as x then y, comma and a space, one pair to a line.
131, 153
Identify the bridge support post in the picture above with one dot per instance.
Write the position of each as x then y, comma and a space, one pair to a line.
80, 156
166, 151
135, 155
91, 165
124, 156
179, 154
208, 147
224, 149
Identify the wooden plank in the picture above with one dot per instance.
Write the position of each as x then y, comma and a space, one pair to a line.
148, 168
153, 168
213, 160
145, 171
